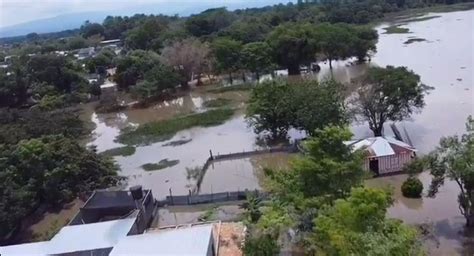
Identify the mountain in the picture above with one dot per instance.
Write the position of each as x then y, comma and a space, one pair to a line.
75, 20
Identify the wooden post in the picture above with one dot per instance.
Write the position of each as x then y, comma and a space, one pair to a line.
171, 197
189, 196
210, 153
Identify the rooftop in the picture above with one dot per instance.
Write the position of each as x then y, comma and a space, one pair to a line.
381, 146
189, 241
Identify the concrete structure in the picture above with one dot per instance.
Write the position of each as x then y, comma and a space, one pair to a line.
191, 241
85, 53
384, 155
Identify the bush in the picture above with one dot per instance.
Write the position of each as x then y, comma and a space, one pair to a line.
412, 188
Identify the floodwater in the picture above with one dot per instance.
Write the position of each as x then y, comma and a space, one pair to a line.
444, 61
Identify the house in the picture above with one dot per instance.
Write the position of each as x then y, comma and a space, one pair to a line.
85, 53
384, 155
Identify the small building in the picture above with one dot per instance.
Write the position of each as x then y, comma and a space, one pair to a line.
85, 53
384, 155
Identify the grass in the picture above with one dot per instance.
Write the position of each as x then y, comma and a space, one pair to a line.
231, 88
217, 103
165, 163
420, 19
208, 214
120, 151
413, 40
166, 129
395, 29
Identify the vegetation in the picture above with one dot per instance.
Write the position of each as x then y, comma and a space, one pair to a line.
413, 40
322, 199
412, 188
216, 103
120, 151
453, 159
388, 94
162, 164
49, 170
163, 130
396, 29
276, 106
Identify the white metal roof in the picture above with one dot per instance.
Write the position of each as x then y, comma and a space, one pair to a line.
90, 236
76, 238
379, 146
29, 249
192, 241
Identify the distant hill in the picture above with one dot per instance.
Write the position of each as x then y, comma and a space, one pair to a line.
75, 20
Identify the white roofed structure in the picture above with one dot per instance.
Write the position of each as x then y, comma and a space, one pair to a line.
384, 154
190, 241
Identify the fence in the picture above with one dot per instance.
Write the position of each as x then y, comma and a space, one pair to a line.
210, 198
221, 157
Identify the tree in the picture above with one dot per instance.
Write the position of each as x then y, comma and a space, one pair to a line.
132, 67
453, 159
49, 170
247, 30
227, 54
317, 104
388, 94
275, 106
358, 226
90, 29
189, 57
146, 36
76, 43
268, 108
364, 43
257, 58
209, 21
156, 81
335, 41
294, 44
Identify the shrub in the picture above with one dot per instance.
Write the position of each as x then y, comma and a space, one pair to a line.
412, 188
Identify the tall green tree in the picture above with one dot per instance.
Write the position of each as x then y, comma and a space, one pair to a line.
132, 67
453, 159
388, 94
358, 226
157, 81
335, 41
257, 58
294, 44
227, 54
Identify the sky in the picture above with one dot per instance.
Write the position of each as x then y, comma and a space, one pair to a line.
19, 11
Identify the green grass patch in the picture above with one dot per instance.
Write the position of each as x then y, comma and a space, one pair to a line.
120, 151
420, 19
231, 88
209, 214
165, 163
216, 103
166, 129
396, 29
414, 40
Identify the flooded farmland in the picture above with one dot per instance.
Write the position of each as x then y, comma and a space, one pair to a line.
444, 60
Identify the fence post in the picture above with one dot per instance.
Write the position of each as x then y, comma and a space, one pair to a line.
171, 197
210, 153
189, 195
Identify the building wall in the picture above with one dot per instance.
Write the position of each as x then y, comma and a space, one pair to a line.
391, 164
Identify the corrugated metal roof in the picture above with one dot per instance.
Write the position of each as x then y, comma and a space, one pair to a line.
379, 146
192, 241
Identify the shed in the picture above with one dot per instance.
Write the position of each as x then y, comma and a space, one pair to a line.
385, 155
191, 241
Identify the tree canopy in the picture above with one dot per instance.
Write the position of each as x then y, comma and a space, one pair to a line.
453, 159
388, 94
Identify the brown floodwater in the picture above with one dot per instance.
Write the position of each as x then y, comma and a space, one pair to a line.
444, 61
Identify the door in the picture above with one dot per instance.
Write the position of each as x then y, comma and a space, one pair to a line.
374, 165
